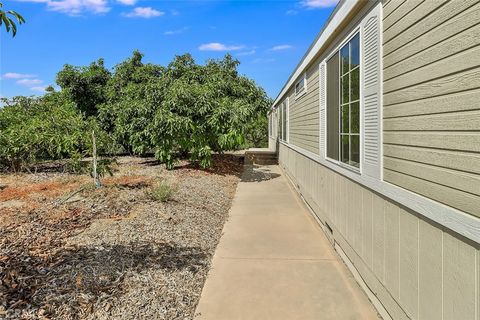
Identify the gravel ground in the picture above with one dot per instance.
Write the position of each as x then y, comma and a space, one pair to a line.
70, 252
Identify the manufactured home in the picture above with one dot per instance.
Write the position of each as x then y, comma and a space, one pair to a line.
378, 128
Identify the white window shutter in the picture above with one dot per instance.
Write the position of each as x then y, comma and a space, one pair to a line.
323, 107
372, 93
287, 120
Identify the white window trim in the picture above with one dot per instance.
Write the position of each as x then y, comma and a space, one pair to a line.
339, 163
270, 124
345, 8
287, 114
304, 90
283, 110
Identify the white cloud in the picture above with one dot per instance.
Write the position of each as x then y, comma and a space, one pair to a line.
291, 12
216, 46
173, 32
75, 7
29, 82
14, 75
39, 88
144, 12
318, 4
281, 47
246, 53
263, 60
127, 2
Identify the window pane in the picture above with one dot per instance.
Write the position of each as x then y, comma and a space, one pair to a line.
345, 148
333, 105
344, 56
280, 124
345, 122
355, 51
299, 86
354, 84
355, 150
355, 117
345, 93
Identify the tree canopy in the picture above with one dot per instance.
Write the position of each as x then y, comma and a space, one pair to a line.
182, 110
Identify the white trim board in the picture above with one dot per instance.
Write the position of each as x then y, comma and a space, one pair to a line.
451, 218
331, 26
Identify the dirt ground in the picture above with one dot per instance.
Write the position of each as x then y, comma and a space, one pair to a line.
70, 251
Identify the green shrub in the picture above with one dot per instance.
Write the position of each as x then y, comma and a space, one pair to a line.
182, 110
33, 130
77, 164
162, 191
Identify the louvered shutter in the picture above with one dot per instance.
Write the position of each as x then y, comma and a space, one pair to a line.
323, 108
287, 120
371, 120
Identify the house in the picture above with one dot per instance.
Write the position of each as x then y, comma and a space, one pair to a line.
378, 128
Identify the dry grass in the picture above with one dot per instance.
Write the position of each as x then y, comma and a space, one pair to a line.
72, 252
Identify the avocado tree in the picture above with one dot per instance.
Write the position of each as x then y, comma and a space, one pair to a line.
184, 109
85, 86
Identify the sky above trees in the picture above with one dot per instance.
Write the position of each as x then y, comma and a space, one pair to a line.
268, 37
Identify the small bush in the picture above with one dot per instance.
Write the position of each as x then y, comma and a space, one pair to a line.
105, 166
162, 191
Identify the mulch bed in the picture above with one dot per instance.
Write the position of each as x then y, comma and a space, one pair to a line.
68, 251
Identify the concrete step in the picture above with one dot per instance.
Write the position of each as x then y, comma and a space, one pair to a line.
261, 157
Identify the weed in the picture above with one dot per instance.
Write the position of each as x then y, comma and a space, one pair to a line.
162, 191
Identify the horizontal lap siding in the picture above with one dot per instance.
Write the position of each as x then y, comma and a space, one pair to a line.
304, 115
417, 268
431, 116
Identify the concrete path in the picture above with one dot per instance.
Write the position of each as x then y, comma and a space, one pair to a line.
274, 262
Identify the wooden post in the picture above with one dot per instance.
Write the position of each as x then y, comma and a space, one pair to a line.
96, 179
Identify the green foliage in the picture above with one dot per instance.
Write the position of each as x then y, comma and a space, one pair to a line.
85, 86
162, 191
184, 110
77, 164
8, 21
37, 129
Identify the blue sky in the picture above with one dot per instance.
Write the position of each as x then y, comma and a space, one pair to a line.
268, 37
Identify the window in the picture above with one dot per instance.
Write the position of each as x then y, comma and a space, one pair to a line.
283, 120
343, 104
270, 127
300, 87
280, 121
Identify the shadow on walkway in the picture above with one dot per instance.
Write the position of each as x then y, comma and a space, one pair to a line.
256, 173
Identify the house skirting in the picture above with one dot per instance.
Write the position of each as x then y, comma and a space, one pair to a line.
415, 267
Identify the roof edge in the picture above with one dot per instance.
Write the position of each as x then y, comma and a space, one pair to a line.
337, 17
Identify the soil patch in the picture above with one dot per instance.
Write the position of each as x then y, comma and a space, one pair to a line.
69, 251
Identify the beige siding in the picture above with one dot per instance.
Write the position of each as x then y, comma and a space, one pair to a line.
418, 269
304, 114
432, 100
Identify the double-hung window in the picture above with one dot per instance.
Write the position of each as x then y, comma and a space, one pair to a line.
343, 104
283, 120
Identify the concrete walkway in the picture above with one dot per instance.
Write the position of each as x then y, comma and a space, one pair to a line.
274, 262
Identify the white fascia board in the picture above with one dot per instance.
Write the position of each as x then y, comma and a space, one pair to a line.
341, 12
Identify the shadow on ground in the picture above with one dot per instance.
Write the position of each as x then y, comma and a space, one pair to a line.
72, 280
222, 164
256, 173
